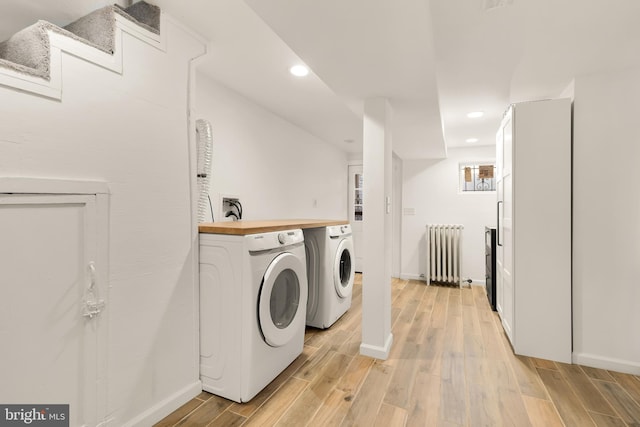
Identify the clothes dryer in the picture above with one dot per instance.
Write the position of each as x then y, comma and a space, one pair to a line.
330, 273
253, 296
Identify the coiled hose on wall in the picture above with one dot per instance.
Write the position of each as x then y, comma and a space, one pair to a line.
204, 140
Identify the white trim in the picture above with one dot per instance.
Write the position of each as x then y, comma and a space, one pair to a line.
405, 276
161, 409
377, 352
601, 362
51, 88
29, 185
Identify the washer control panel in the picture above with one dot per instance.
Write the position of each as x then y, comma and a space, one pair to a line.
273, 240
339, 230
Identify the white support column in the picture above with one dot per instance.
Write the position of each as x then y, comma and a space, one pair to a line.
376, 279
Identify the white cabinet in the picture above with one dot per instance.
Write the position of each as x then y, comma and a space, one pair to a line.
53, 296
533, 259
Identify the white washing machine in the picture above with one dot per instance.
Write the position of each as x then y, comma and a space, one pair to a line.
330, 272
253, 298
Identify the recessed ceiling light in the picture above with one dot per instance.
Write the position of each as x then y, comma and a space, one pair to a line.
299, 70
475, 114
471, 140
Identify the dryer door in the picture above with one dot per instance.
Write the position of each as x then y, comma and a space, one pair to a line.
283, 300
343, 268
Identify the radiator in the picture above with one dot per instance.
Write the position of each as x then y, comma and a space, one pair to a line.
444, 254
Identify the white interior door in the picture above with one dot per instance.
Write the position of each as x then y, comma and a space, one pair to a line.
48, 244
504, 258
356, 213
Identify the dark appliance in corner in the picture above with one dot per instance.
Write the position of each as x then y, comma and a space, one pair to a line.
490, 257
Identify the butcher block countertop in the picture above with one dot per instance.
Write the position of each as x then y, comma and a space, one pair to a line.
242, 228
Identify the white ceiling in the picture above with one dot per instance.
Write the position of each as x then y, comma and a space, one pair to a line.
435, 60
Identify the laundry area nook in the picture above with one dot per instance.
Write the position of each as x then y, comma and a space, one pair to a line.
345, 213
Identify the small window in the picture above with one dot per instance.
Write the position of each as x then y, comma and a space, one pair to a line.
477, 177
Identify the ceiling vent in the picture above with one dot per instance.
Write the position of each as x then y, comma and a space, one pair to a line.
495, 4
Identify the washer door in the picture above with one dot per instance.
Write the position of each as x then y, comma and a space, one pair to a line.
343, 268
283, 299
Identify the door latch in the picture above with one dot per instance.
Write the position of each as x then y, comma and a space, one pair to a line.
92, 304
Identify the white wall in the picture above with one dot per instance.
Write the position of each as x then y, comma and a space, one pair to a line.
278, 170
606, 227
131, 131
431, 188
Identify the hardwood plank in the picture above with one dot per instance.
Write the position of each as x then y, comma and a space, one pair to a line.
480, 299
602, 420
439, 312
625, 406
356, 373
424, 404
430, 351
492, 340
269, 413
428, 299
206, 412
227, 419
248, 408
313, 365
351, 346
543, 363
453, 405
419, 325
541, 412
326, 414
512, 409
489, 371
473, 345
455, 335
401, 383
311, 399
204, 395
462, 373
565, 400
365, 405
389, 416
467, 297
585, 390
315, 337
526, 376
483, 406
454, 303
470, 320
629, 382
597, 374
180, 413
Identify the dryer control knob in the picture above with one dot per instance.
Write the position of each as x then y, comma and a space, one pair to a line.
282, 238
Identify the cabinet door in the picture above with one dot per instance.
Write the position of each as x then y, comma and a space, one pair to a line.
49, 353
504, 253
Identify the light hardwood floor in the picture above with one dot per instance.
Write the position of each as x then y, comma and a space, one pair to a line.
450, 365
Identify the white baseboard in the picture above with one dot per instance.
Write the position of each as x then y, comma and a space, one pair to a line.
165, 407
405, 276
611, 364
375, 351
412, 277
